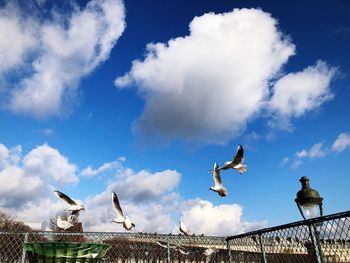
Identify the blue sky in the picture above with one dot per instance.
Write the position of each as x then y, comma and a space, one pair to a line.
142, 97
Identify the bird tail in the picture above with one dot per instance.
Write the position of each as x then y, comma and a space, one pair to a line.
242, 169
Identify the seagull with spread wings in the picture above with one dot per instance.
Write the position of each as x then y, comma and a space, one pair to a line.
120, 219
218, 187
236, 163
73, 206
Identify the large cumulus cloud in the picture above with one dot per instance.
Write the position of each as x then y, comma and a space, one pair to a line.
208, 85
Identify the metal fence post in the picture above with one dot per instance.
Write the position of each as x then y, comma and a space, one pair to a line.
262, 248
24, 251
168, 250
229, 251
315, 243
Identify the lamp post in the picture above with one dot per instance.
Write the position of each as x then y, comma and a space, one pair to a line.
308, 200
309, 203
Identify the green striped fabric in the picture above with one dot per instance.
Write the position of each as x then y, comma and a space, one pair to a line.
60, 252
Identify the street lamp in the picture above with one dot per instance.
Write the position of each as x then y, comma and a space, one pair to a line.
309, 203
308, 200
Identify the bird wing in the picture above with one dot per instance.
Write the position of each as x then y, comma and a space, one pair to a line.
216, 175
183, 228
116, 206
65, 198
226, 166
239, 155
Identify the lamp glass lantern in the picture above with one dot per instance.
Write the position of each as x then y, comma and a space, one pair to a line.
309, 200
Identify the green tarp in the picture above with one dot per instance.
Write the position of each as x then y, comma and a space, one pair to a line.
70, 250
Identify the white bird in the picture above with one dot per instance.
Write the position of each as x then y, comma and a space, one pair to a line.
165, 244
209, 251
74, 207
63, 224
236, 163
73, 218
183, 228
182, 250
218, 187
120, 219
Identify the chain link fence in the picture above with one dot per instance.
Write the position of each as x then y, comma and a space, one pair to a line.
325, 239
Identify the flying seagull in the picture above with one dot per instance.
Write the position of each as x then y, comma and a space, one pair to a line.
183, 228
182, 250
236, 163
63, 224
165, 244
218, 187
209, 251
74, 207
120, 219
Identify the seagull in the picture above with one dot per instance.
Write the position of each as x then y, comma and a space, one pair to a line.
236, 163
73, 218
120, 219
165, 244
63, 224
183, 228
209, 251
182, 250
218, 187
74, 207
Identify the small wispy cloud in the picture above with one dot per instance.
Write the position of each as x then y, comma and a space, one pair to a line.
48, 132
318, 150
342, 142
315, 151
106, 167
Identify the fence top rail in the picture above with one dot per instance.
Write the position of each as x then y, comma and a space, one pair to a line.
294, 224
115, 234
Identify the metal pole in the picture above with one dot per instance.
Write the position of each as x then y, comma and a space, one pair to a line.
229, 251
24, 251
168, 250
262, 248
315, 243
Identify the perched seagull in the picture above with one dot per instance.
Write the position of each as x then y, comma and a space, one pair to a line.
74, 207
236, 163
120, 219
183, 228
218, 187
63, 224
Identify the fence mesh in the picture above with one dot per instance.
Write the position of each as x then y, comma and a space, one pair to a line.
325, 239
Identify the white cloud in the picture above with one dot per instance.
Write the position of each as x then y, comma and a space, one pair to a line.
296, 93
18, 188
9, 157
67, 47
315, 151
296, 163
46, 161
342, 142
202, 217
26, 180
211, 82
16, 38
150, 199
110, 166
